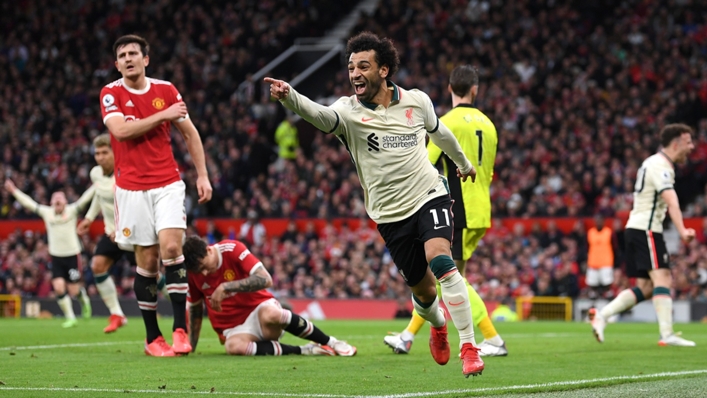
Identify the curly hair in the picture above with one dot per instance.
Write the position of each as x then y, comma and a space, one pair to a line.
194, 250
386, 53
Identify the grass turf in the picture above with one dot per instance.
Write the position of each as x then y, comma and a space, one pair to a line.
39, 358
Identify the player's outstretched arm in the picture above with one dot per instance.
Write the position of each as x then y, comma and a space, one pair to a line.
85, 199
671, 198
320, 116
447, 142
123, 131
196, 150
258, 280
24, 199
196, 315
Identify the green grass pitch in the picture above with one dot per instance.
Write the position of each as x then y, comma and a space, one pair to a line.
547, 359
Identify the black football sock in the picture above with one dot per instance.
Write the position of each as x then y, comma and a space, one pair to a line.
177, 286
303, 328
272, 348
146, 294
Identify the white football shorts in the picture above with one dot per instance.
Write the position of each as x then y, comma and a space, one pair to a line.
252, 323
603, 276
141, 215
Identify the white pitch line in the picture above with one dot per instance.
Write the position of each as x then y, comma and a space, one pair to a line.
165, 391
77, 345
542, 385
407, 395
73, 345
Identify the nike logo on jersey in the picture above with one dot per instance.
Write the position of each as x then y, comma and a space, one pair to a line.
130, 104
205, 286
366, 119
440, 226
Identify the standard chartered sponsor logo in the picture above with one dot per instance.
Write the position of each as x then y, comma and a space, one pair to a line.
399, 141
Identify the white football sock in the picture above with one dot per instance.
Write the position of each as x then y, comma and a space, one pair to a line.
456, 298
495, 340
625, 300
67, 307
664, 311
109, 294
83, 296
407, 335
433, 314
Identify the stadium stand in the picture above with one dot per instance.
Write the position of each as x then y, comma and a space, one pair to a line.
577, 92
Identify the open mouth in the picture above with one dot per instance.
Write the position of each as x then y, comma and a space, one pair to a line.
359, 87
130, 67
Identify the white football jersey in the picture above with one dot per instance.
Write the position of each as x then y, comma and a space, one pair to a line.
103, 201
656, 175
61, 228
387, 146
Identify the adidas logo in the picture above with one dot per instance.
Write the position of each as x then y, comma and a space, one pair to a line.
130, 104
373, 144
205, 286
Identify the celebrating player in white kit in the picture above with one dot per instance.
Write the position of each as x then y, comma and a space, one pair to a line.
384, 126
64, 246
647, 258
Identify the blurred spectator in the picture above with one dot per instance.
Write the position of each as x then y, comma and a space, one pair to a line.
212, 234
600, 260
252, 231
403, 311
286, 140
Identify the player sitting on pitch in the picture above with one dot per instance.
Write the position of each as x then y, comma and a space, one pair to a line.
247, 318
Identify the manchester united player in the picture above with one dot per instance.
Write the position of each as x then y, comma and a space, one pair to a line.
247, 318
149, 193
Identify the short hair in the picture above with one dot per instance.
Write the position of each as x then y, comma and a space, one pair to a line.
194, 250
58, 195
462, 79
386, 53
128, 39
102, 140
673, 131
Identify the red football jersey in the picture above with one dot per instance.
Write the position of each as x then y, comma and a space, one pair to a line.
146, 162
235, 262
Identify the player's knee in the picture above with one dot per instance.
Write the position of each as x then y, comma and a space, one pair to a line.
100, 265
236, 347
647, 292
171, 250
271, 315
437, 247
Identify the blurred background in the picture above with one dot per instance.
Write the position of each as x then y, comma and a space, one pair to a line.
577, 90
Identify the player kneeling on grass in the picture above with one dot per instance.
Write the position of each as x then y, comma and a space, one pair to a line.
247, 318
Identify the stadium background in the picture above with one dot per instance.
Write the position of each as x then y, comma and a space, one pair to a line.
577, 90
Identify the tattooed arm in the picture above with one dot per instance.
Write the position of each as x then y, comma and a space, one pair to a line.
196, 315
260, 279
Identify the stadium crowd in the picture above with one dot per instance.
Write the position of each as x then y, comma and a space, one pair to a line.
577, 93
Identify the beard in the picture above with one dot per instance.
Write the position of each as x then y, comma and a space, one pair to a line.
371, 89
